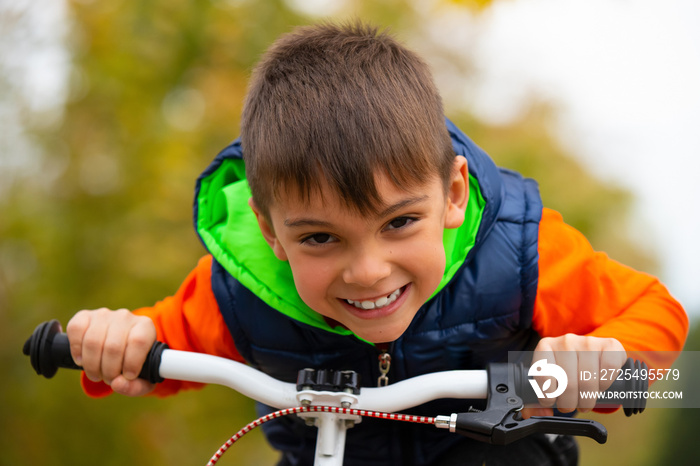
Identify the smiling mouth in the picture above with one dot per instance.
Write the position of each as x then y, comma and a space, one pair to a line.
378, 303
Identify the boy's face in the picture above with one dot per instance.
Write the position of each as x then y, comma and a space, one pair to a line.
370, 273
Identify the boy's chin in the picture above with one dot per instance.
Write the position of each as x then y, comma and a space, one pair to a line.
381, 335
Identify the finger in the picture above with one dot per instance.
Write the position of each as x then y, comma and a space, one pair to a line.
138, 387
568, 400
75, 331
113, 350
544, 351
92, 346
611, 361
141, 337
588, 363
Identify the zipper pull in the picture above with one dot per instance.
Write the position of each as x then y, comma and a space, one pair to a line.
384, 365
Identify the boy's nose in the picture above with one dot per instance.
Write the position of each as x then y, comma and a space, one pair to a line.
366, 269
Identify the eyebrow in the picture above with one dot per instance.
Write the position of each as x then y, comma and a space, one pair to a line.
401, 205
304, 222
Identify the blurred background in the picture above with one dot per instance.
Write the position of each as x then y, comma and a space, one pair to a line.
110, 110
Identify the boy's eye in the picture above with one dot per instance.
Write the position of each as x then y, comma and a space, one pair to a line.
399, 222
318, 238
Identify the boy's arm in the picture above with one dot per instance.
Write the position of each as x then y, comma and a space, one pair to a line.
591, 303
584, 292
190, 321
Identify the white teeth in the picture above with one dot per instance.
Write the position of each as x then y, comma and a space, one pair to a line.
381, 302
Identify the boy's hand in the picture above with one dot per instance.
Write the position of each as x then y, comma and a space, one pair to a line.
112, 346
574, 354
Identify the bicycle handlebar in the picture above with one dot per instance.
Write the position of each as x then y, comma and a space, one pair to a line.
49, 349
505, 385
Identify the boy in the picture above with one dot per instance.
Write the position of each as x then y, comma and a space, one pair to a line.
366, 233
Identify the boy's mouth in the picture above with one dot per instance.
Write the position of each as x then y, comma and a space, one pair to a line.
378, 303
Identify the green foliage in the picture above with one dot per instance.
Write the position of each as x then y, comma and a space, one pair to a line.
105, 218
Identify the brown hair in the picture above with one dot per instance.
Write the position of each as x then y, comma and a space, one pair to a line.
335, 105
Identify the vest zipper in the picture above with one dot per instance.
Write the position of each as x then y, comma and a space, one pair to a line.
384, 366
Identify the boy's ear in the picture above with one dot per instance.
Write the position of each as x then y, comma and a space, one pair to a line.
457, 194
267, 231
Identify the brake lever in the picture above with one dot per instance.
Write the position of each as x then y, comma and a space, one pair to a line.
513, 429
500, 423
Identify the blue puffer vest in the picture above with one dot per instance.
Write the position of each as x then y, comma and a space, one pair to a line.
481, 314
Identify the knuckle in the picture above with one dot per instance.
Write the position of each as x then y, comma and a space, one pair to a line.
78, 323
113, 348
546, 341
92, 343
142, 332
570, 341
121, 313
612, 344
102, 311
140, 340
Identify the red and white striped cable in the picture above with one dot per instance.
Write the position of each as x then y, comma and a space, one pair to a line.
326, 409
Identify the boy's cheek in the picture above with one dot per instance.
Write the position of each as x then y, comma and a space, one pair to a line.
310, 285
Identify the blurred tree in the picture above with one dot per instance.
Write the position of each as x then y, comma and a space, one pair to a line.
104, 217
677, 433
472, 4
598, 209
155, 92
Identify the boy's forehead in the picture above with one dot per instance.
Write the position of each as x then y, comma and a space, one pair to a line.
292, 201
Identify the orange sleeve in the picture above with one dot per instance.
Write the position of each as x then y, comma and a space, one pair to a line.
584, 292
189, 321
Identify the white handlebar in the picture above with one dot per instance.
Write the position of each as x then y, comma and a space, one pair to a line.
204, 368
196, 367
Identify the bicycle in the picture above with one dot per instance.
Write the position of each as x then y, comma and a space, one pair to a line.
333, 400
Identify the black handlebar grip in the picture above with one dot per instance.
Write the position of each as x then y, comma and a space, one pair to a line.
627, 390
49, 349
631, 387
